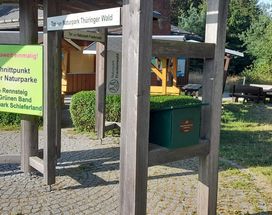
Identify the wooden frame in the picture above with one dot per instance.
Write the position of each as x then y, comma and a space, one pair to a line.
164, 48
135, 155
164, 89
52, 94
216, 22
101, 77
29, 126
135, 92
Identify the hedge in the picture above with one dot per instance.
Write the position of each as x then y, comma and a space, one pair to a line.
82, 107
13, 119
161, 102
9, 119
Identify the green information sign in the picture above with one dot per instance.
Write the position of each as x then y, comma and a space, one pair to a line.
21, 79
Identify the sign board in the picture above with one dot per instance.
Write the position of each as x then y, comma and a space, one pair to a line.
113, 73
21, 79
91, 19
84, 35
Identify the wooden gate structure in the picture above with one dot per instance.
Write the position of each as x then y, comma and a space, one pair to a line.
137, 47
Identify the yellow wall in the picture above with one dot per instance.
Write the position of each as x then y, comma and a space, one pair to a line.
81, 63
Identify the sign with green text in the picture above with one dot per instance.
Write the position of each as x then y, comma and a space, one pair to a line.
21, 79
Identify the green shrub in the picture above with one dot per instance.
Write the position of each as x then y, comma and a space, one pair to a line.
260, 73
13, 120
113, 108
82, 107
82, 110
9, 119
159, 102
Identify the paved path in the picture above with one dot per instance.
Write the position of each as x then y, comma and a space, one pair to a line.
87, 183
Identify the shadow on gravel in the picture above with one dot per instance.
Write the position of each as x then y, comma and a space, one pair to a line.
84, 166
9, 170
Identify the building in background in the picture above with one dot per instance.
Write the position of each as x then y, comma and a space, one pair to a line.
168, 75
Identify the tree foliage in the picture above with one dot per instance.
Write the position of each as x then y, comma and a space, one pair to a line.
191, 17
194, 20
180, 8
258, 41
241, 14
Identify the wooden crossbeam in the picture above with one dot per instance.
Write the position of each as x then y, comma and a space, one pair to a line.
37, 163
163, 48
169, 90
112, 125
11, 158
156, 71
160, 155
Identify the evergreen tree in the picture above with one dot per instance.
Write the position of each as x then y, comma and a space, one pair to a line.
180, 7
191, 17
258, 41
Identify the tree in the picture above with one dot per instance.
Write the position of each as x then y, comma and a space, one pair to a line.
194, 21
180, 7
241, 14
258, 41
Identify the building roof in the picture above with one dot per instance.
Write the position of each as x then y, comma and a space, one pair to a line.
13, 37
175, 30
115, 44
9, 18
75, 6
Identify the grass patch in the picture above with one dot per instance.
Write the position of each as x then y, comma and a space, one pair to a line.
9, 127
246, 136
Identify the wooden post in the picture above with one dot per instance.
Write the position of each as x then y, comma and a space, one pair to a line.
101, 79
226, 66
29, 127
174, 71
58, 94
136, 58
51, 93
164, 76
211, 115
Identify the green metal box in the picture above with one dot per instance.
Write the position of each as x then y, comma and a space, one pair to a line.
175, 127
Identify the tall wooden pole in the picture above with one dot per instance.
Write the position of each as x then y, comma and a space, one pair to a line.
101, 78
211, 116
29, 126
52, 93
136, 58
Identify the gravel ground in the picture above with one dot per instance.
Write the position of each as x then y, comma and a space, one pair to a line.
88, 176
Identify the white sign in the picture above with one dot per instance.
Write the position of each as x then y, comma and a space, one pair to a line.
84, 35
113, 73
92, 19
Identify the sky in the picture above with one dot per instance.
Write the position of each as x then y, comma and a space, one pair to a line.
265, 1
269, 2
